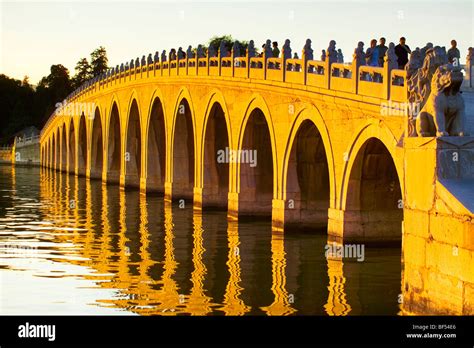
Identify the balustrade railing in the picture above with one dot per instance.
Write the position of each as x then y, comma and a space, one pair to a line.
378, 82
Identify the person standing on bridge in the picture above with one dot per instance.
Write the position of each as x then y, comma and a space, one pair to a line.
453, 52
402, 51
382, 50
372, 54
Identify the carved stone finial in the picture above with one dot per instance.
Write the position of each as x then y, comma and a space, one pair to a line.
331, 52
391, 57
340, 56
286, 49
236, 49
143, 61
223, 50
268, 49
443, 113
189, 52
323, 55
132, 64
200, 52
156, 58
163, 56
359, 55
126, 66
307, 50
470, 56
149, 59
137, 62
211, 51
251, 52
121, 67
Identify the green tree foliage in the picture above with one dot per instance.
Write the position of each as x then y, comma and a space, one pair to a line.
215, 42
99, 61
83, 72
17, 105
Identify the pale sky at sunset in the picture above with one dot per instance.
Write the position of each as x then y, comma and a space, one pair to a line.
35, 35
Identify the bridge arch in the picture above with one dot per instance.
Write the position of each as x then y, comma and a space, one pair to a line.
97, 146
308, 171
155, 142
53, 150
58, 148
114, 143
82, 146
183, 145
216, 143
372, 187
63, 147
72, 147
257, 182
133, 142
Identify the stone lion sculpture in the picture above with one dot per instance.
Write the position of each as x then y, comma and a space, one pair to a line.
443, 112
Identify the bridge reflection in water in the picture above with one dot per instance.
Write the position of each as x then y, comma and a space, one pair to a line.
156, 258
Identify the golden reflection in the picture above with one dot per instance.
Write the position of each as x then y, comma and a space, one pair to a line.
169, 291
233, 304
197, 303
13, 179
337, 304
106, 252
282, 302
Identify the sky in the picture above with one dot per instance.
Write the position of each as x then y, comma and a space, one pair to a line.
36, 34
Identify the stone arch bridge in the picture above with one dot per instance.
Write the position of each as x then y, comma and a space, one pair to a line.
321, 144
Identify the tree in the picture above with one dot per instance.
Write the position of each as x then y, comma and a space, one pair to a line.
26, 81
59, 83
83, 72
215, 42
99, 61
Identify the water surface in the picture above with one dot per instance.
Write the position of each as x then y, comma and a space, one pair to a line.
74, 246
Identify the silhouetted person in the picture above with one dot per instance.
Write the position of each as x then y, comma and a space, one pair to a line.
453, 52
402, 51
382, 50
275, 50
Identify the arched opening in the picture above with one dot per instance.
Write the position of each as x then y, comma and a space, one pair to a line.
58, 150
82, 151
72, 148
216, 160
256, 167
53, 152
113, 144
156, 155
133, 149
307, 186
183, 153
374, 197
63, 148
97, 147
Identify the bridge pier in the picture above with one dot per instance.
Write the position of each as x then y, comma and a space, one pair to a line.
378, 226
438, 238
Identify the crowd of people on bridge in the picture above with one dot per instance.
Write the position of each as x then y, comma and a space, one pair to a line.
373, 56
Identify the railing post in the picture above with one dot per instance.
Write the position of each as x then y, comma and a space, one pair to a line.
264, 64
386, 80
232, 62
247, 61
219, 63
355, 74
328, 72
304, 61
